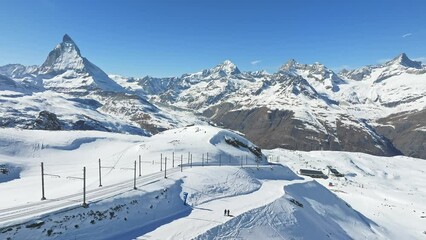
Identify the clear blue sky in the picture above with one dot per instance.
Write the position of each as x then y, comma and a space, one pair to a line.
168, 38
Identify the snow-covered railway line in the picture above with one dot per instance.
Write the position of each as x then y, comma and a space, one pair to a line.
21, 213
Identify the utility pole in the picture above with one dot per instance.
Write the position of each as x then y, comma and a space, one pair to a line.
43, 197
165, 167
100, 174
134, 178
181, 162
140, 166
134, 174
85, 205
173, 159
84, 188
42, 182
161, 163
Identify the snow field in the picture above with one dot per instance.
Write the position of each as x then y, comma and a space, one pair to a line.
383, 194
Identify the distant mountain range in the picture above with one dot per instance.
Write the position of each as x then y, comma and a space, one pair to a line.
378, 109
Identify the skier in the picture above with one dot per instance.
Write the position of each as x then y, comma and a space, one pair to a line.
228, 212
224, 213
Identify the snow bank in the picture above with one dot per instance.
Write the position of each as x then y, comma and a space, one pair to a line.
319, 215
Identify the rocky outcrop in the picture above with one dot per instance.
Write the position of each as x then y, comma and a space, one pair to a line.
47, 121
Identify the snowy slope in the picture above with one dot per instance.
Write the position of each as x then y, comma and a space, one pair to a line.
375, 200
387, 190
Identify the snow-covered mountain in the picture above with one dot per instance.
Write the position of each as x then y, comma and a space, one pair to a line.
301, 106
69, 92
377, 109
66, 70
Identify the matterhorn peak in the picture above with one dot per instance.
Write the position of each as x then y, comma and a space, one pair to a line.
65, 56
67, 38
403, 60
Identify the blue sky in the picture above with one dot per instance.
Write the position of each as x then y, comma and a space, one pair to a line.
169, 38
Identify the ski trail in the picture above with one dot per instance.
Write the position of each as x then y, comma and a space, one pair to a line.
208, 215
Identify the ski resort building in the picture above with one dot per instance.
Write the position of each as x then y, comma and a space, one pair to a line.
312, 173
335, 172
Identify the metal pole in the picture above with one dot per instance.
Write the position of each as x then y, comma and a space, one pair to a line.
134, 178
100, 174
246, 159
84, 187
165, 167
42, 182
191, 160
161, 163
181, 162
140, 166
202, 160
241, 160
207, 160
188, 157
173, 159
220, 160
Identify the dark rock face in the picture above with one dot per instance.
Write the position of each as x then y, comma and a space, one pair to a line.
47, 121
237, 144
406, 131
276, 128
